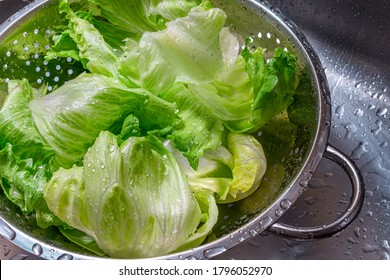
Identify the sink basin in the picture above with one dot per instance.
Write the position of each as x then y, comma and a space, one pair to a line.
351, 39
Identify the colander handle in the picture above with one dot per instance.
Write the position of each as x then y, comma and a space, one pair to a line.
344, 220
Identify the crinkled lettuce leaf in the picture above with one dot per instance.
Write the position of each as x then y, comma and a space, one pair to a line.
189, 50
201, 130
252, 91
232, 172
133, 198
83, 42
143, 16
23, 181
70, 118
16, 123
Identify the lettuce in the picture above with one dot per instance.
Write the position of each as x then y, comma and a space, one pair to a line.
22, 181
131, 157
17, 124
126, 197
232, 172
70, 118
188, 50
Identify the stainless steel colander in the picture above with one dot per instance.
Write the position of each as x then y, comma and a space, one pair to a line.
24, 40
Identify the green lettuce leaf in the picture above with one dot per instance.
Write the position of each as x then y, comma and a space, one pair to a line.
16, 123
141, 16
83, 42
229, 96
201, 130
23, 181
273, 82
232, 172
71, 117
249, 165
188, 50
133, 199
252, 91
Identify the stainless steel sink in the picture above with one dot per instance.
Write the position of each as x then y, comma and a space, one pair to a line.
352, 40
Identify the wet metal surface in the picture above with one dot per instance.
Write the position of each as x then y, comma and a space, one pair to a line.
351, 39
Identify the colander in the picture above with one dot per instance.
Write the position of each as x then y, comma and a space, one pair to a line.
24, 40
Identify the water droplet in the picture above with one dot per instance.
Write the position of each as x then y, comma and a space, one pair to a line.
351, 128
102, 166
381, 112
285, 204
37, 249
304, 183
7, 231
265, 222
375, 167
209, 253
191, 258
65, 257
358, 152
278, 212
311, 200
111, 148
340, 111
352, 241
378, 129
253, 232
358, 112
19, 257
356, 231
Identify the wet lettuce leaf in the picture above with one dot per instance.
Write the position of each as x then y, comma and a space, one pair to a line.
232, 172
201, 130
126, 198
71, 117
189, 50
17, 124
131, 157
22, 181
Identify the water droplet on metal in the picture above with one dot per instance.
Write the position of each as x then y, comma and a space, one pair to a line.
253, 232
311, 200
278, 212
19, 257
191, 258
340, 111
285, 204
209, 253
304, 183
6, 231
356, 231
65, 257
37, 249
381, 112
265, 222
358, 152
351, 128
358, 112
